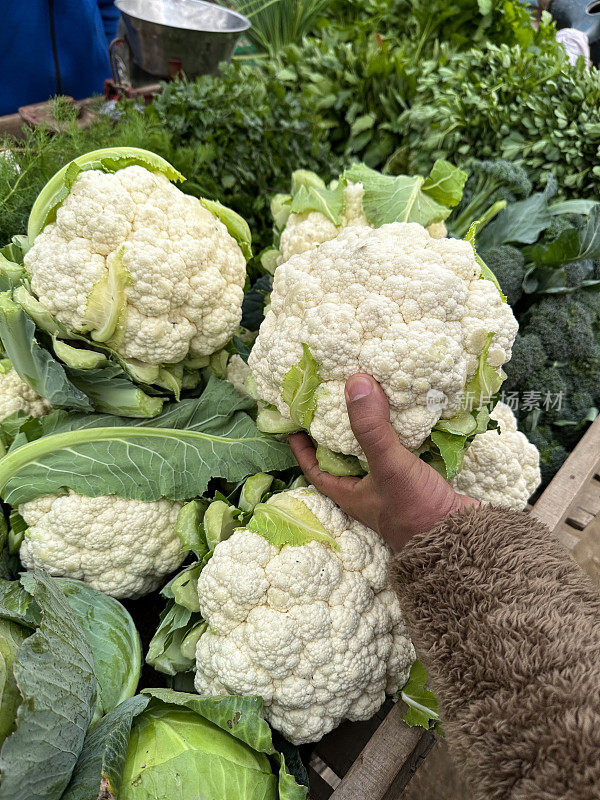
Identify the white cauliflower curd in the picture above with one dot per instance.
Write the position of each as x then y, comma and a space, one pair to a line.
16, 395
237, 373
394, 302
138, 264
124, 548
500, 467
309, 229
316, 631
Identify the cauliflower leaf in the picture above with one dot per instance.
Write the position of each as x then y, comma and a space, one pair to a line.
298, 389
400, 198
284, 520
107, 303
173, 455
329, 202
422, 703
237, 227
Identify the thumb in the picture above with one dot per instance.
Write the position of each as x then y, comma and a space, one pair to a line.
369, 414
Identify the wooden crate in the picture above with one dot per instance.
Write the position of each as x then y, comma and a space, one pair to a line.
570, 506
375, 760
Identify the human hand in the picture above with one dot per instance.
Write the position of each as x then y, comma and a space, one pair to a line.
402, 495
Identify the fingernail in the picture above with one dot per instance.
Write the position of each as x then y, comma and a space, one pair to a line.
358, 387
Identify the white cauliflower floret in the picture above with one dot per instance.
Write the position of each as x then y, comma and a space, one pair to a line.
504, 416
185, 273
16, 395
393, 302
316, 632
122, 547
238, 373
500, 467
305, 231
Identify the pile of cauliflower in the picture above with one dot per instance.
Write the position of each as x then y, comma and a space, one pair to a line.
155, 277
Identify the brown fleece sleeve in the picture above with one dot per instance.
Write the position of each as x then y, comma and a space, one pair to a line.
509, 629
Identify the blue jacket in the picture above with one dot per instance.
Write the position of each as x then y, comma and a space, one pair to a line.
54, 47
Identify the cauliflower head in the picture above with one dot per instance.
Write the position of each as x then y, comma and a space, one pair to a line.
307, 230
317, 632
409, 309
16, 395
501, 467
140, 265
122, 547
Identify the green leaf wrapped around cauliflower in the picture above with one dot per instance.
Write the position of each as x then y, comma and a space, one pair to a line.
500, 467
120, 546
125, 256
411, 310
16, 395
307, 229
362, 197
301, 611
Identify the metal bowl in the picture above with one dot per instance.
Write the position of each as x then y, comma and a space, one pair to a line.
167, 36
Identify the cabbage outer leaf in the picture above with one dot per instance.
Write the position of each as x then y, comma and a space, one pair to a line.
173, 455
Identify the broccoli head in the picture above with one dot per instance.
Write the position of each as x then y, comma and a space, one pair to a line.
560, 223
508, 265
578, 271
556, 358
552, 453
565, 327
584, 376
528, 357
590, 298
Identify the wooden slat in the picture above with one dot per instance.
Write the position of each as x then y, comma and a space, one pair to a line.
586, 505
319, 788
340, 748
410, 766
383, 758
12, 125
554, 504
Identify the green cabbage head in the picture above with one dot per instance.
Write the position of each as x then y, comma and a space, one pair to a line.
12, 635
185, 747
